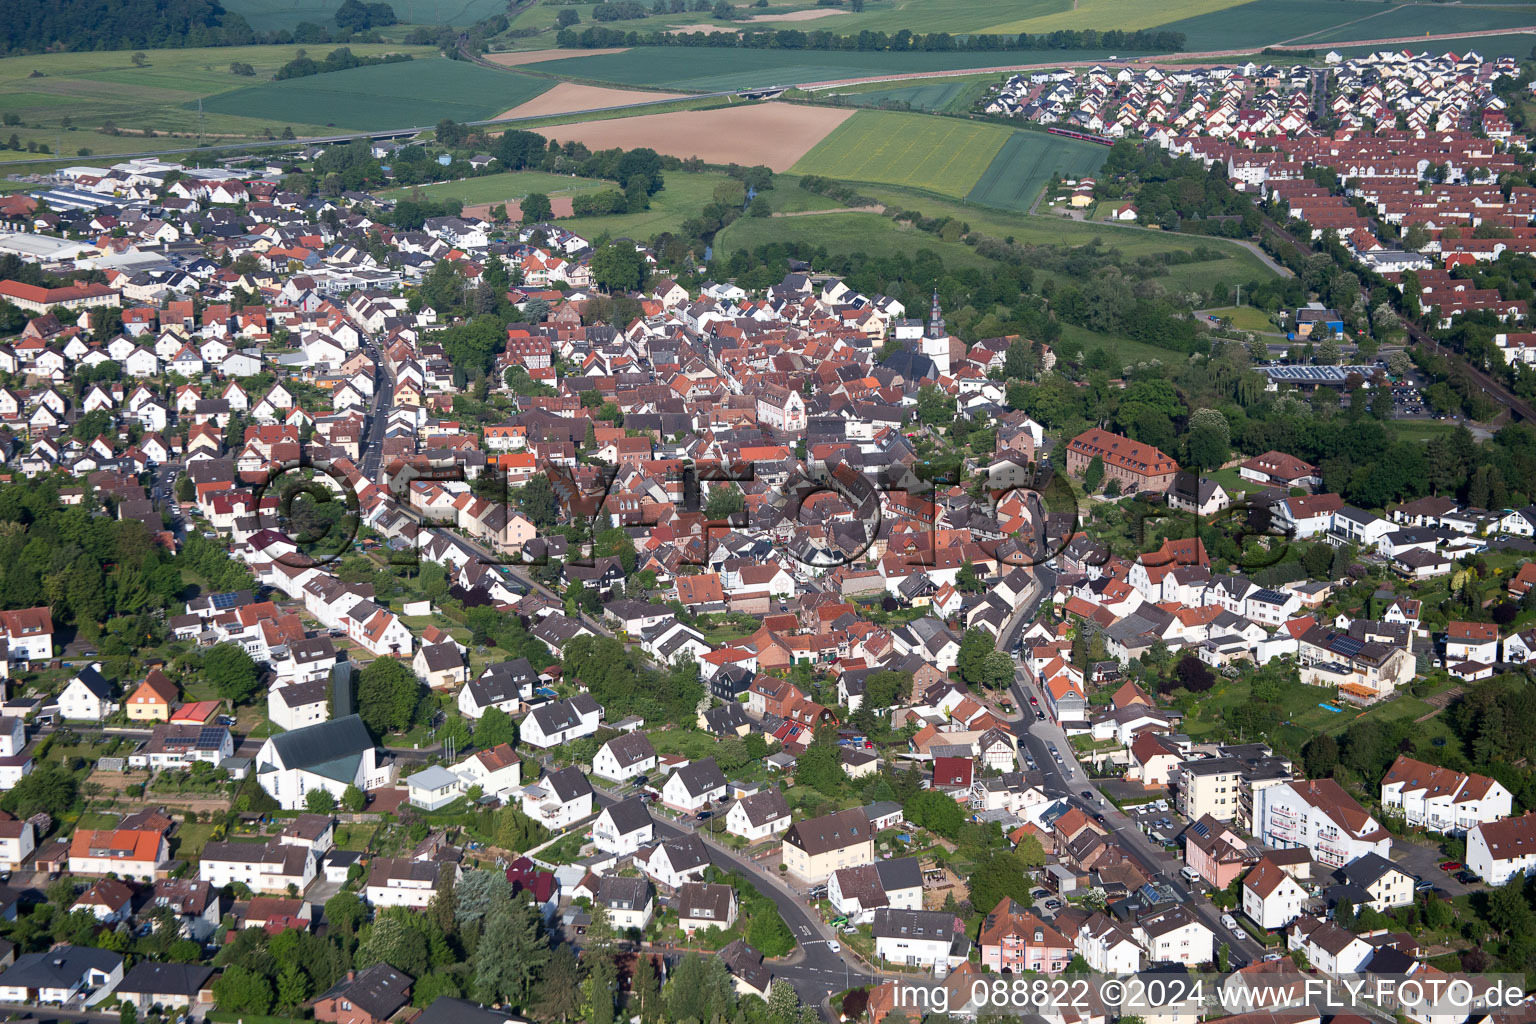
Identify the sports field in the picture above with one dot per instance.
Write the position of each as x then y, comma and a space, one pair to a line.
271, 15
944, 155
705, 69
1026, 163
1106, 14
420, 92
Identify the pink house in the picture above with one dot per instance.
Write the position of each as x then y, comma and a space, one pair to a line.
1216, 852
1014, 939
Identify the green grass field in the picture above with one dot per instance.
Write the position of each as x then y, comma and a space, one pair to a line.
92, 88
1106, 14
1027, 162
942, 95
683, 197
271, 15
705, 69
1516, 45
421, 92
498, 188
1245, 318
1419, 19
842, 234
941, 154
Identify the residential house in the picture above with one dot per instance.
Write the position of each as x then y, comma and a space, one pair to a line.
1014, 939
1272, 898
816, 847
370, 996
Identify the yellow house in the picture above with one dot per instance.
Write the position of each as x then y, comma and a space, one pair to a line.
816, 847
152, 701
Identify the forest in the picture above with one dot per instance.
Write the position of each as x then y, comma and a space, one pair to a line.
34, 26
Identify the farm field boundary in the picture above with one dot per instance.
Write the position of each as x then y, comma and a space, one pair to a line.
944, 155
1027, 162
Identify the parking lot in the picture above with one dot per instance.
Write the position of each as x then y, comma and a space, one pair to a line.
1158, 820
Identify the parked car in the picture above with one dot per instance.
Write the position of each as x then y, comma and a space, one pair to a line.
1450, 865
1040, 715
1467, 878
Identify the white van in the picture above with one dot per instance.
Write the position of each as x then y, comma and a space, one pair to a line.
1190, 875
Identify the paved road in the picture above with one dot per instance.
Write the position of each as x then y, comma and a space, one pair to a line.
815, 971
383, 402
1069, 781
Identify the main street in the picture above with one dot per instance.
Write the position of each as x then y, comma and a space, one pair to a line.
1069, 781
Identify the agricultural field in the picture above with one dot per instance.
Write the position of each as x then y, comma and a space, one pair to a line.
1106, 14
775, 134
272, 15
941, 95
703, 69
944, 155
1518, 44
1421, 19
1026, 164
569, 98
90, 89
421, 92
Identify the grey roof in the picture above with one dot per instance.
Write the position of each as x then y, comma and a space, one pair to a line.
300, 694
768, 805
630, 749
432, 777
151, 978
448, 1010
94, 682
686, 852
1365, 870
700, 777
914, 924
744, 963
705, 901
726, 718
60, 967
568, 784
560, 715
618, 893
323, 742
901, 873
629, 816
380, 990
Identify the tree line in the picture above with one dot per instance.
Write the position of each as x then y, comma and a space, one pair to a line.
33, 26
339, 59
902, 41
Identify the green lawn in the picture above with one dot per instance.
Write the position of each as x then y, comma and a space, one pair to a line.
498, 188
842, 233
944, 155
1125, 350
954, 95
684, 196
417, 93
91, 89
1027, 162
191, 837
1422, 19
1245, 318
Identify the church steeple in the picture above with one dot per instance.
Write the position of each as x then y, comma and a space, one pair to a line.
935, 318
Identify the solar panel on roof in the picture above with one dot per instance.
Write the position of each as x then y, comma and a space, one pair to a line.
1200, 829
225, 600
1348, 645
210, 736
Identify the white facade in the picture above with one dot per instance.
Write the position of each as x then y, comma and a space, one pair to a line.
1317, 815
1498, 851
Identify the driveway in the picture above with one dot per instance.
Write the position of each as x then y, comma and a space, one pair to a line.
1424, 862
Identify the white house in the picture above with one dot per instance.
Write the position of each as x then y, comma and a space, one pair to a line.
1441, 799
1329, 948
433, 787
919, 938
498, 771
1316, 814
1272, 899
330, 755
629, 901
676, 861
17, 841
1108, 947
694, 786
553, 724
1386, 884
403, 882
624, 757
1499, 850
1175, 935
758, 816
87, 697
262, 867
703, 905
624, 827
504, 686
299, 704
559, 799
62, 974
859, 891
